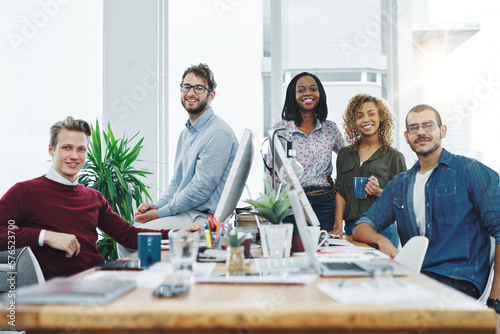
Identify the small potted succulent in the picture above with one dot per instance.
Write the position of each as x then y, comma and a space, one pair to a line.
235, 258
271, 207
276, 238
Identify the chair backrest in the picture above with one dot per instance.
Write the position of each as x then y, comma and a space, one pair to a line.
413, 253
36, 266
26, 265
489, 283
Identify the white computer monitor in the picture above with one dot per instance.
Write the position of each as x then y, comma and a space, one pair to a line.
237, 178
280, 158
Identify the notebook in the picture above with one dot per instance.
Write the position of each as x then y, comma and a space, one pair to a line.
358, 268
74, 291
211, 254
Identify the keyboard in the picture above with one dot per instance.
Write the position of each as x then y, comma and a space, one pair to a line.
342, 266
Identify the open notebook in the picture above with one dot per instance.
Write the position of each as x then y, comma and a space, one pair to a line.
74, 291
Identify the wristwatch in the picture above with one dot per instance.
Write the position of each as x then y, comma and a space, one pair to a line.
494, 304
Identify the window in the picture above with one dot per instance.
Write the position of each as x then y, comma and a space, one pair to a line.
371, 76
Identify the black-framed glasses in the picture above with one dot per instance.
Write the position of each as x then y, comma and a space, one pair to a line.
198, 89
427, 126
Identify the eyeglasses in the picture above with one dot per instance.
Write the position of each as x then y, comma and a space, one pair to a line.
198, 89
427, 126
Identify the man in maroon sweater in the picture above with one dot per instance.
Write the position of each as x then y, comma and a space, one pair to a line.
56, 216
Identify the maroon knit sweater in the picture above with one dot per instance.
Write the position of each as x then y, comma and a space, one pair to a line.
45, 204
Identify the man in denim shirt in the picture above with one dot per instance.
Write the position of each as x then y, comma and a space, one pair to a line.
453, 200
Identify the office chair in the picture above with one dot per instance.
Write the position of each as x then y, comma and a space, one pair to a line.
489, 283
413, 253
24, 263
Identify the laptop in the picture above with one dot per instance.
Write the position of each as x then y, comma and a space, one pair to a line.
280, 160
74, 291
355, 268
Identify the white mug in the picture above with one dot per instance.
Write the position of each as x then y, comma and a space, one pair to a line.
318, 237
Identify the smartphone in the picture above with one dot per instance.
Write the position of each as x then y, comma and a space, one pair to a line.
120, 265
170, 290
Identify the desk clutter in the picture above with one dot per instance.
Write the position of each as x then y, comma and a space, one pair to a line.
99, 287
203, 259
111, 280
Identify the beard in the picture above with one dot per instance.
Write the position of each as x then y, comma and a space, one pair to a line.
203, 104
429, 151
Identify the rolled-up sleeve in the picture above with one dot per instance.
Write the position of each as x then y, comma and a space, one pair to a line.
484, 189
211, 163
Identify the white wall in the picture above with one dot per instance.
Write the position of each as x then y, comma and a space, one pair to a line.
50, 68
135, 80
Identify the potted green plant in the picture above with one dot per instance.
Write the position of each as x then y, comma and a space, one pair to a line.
109, 169
271, 207
235, 258
276, 238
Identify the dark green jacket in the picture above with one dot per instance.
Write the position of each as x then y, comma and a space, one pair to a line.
383, 166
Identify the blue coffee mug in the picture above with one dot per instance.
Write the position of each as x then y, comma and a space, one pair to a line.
359, 187
149, 244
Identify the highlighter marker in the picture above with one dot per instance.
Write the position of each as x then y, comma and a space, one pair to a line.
208, 237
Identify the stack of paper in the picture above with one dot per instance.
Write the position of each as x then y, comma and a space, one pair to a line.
352, 292
348, 253
394, 291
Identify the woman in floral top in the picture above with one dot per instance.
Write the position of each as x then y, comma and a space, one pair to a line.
314, 138
369, 127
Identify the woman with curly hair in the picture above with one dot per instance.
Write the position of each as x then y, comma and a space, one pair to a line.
314, 138
369, 126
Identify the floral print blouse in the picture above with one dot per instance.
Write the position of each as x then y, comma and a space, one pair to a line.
314, 151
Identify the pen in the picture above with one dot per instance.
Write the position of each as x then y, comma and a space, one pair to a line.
212, 222
217, 221
223, 232
343, 283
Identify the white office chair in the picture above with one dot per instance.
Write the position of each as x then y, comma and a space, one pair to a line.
487, 289
413, 252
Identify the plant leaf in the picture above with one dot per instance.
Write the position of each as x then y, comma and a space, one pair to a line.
109, 170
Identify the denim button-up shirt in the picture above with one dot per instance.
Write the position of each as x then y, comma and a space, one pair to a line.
204, 156
462, 211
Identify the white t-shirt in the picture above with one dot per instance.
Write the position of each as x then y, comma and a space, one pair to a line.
419, 199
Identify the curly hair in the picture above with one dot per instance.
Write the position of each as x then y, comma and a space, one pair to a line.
291, 107
385, 132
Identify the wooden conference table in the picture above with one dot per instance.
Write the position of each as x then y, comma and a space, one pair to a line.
253, 308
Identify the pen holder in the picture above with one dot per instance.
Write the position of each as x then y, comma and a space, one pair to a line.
235, 260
